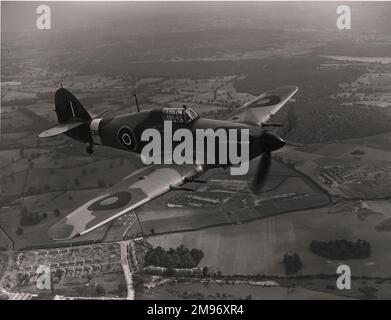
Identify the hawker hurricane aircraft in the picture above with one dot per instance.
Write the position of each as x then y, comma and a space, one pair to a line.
124, 132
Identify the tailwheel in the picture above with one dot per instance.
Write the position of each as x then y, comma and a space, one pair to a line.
90, 150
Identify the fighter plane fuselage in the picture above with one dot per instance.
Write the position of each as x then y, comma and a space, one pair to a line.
125, 132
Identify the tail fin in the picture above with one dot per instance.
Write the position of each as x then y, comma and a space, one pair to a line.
68, 108
70, 114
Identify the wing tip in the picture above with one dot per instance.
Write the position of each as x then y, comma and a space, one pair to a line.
290, 87
44, 134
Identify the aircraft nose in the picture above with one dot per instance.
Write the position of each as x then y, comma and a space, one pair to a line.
270, 141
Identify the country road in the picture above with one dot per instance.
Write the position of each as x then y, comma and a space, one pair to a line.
126, 269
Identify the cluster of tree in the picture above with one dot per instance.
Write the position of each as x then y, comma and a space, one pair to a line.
138, 282
76, 182
292, 263
35, 155
334, 122
180, 257
121, 290
32, 190
341, 249
360, 49
100, 290
58, 273
7, 177
19, 231
368, 293
31, 218
101, 183
357, 152
19, 102
56, 212
375, 90
287, 162
45, 96
22, 279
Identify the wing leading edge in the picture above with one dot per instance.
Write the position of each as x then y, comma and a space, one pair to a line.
133, 191
260, 109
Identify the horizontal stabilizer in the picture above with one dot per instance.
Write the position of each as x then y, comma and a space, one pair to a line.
61, 128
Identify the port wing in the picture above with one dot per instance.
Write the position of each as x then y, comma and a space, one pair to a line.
130, 193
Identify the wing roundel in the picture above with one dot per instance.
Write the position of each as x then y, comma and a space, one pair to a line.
260, 109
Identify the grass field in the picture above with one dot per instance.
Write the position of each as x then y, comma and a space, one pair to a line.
112, 283
363, 170
257, 247
223, 200
3, 264
37, 235
227, 291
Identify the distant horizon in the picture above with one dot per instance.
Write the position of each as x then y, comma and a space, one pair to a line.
269, 15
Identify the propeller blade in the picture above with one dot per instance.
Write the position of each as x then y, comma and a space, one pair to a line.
262, 172
268, 142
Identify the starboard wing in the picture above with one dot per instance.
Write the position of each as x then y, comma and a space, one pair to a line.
260, 109
133, 191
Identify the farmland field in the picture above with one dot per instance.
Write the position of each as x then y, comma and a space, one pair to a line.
238, 291
257, 247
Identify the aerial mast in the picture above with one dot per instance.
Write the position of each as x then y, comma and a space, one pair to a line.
135, 98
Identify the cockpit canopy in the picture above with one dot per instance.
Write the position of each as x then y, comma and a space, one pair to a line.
179, 115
